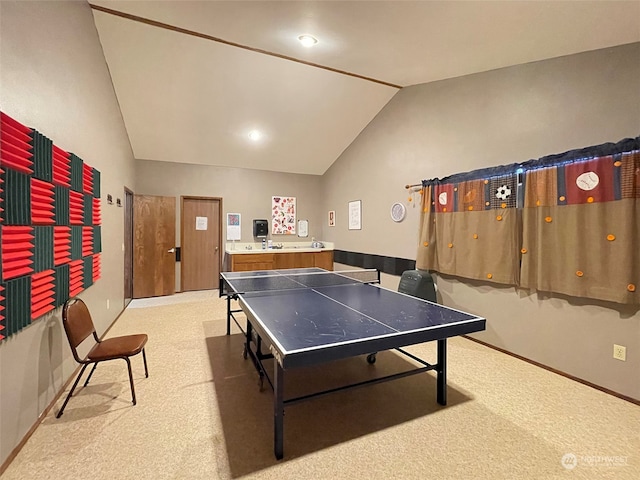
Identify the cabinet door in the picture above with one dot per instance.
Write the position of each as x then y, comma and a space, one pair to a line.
305, 260
323, 259
293, 260
252, 261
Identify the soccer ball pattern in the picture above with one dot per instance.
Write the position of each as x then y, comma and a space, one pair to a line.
503, 192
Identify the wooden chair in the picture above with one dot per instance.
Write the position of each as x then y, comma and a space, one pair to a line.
78, 325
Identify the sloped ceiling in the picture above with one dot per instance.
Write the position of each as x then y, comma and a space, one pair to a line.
193, 78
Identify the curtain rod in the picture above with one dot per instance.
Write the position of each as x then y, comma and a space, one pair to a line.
411, 186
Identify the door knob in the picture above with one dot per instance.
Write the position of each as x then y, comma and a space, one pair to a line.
216, 248
171, 250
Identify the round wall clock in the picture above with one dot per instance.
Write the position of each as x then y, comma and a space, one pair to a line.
398, 211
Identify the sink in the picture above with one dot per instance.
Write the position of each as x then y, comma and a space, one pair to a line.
298, 247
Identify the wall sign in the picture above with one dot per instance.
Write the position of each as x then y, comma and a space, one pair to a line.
202, 223
332, 218
355, 215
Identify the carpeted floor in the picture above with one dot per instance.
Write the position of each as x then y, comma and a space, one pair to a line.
200, 414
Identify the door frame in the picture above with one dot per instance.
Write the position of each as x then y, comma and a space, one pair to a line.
182, 224
128, 245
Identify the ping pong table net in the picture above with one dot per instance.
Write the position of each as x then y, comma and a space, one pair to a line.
289, 281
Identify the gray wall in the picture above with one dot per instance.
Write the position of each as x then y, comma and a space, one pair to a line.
494, 118
53, 77
243, 191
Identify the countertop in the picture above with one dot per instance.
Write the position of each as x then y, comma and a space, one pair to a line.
287, 247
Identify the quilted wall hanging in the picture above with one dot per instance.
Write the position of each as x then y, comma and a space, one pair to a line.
50, 233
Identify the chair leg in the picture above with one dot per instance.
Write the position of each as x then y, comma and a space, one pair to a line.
75, 384
133, 392
144, 357
95, 365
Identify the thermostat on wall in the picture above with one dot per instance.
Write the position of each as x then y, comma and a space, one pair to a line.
398, 211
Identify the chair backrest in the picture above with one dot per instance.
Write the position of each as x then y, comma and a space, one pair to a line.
418, 283
77, 323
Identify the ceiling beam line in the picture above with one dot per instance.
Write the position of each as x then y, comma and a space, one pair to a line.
193, 33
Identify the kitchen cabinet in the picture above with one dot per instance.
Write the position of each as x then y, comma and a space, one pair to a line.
244, 262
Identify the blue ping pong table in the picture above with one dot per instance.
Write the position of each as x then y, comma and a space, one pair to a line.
311, 316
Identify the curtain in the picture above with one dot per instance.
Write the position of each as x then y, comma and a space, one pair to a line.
469, 226
581, 228
566, 223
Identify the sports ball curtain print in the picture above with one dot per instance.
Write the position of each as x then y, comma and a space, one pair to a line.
565, 223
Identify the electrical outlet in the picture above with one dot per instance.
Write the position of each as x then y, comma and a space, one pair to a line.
107, 304
619, 352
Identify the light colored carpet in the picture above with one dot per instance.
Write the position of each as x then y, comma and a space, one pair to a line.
200, 415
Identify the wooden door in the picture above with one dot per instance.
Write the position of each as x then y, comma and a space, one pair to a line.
154, 261
200, 244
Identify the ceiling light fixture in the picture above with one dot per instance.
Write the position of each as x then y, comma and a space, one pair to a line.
307, 40
255, 135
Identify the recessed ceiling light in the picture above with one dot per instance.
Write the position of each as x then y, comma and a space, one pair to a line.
255, 135
307, 40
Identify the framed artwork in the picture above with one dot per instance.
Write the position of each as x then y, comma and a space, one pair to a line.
355, 215
332, 218
283, 215
234, 229
303, 228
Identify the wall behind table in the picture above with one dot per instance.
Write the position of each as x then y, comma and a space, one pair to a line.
494, 118
243, 191
53, 77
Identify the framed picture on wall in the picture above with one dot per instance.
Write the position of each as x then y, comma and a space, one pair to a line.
283, 215
355, 215
234, 229
332, 218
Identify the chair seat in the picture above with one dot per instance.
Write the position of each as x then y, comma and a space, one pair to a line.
117, 347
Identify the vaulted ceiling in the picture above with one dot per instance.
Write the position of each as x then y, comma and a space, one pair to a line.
193, 78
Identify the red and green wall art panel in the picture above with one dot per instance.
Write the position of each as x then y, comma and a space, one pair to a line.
50, 237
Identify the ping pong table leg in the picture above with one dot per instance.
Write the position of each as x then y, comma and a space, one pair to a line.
228, 314
442, 372
278, 411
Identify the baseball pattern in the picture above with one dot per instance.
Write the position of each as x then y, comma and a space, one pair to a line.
588, 181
